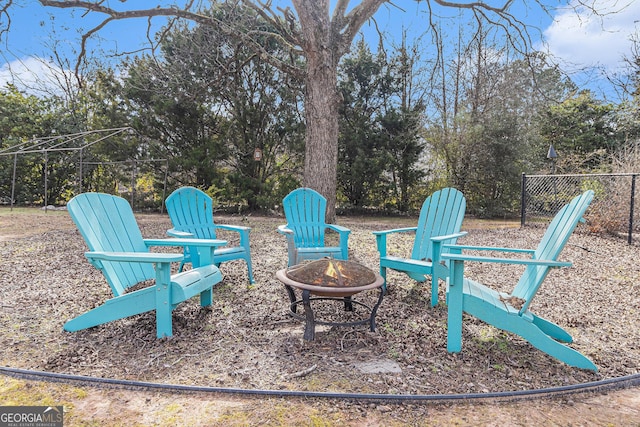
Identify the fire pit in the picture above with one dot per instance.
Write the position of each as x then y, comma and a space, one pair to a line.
330, 279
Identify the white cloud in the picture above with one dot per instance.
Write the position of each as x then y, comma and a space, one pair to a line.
36, 76
583, 38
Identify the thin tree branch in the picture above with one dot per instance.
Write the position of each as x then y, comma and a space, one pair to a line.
182, 13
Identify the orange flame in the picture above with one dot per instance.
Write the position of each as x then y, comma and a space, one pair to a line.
331, 271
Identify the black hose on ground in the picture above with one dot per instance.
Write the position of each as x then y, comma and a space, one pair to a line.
595, 386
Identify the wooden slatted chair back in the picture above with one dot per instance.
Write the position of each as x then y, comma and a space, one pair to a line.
305, 210
442, 214
191, 210
551, 245
107, 224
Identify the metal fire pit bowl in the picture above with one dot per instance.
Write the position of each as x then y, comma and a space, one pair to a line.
330, 279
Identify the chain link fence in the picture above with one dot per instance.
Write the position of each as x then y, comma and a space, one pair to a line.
612, 211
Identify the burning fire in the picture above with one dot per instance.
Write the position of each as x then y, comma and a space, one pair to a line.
336, 272
331, 273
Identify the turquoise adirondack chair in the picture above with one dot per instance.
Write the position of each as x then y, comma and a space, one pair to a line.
510, 312
191, 213
305, 230
117, 249
439, 223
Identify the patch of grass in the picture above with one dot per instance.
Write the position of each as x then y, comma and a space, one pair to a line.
15, 392
494, 337
6, 211
394, 353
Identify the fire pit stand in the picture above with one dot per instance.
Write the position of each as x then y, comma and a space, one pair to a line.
329, 279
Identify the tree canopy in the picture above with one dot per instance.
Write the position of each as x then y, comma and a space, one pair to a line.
249, 100
322, 36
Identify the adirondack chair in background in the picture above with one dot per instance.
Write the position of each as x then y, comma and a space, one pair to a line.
510, 312
305, 230
117, 249
191, 214
439, 223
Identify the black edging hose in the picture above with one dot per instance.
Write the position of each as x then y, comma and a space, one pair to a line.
602, 385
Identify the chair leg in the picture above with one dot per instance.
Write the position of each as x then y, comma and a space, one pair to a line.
164, 305
206, 297
434, 288
551, 329
250, 270
116, 308
546, 344
383, 274
164, 322
164, 308
454, 307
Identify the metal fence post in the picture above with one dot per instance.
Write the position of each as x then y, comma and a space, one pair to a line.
631, 207
523, 201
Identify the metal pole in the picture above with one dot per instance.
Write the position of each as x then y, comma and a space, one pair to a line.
164, 188
80, 173
133, 183
46, 178
631, 207
523, 201
13, 180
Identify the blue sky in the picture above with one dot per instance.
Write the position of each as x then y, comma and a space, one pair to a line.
577, 38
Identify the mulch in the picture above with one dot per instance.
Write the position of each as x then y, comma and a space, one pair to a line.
247, 339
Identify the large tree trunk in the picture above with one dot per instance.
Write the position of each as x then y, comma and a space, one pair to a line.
321, 154
325, 39
322, 48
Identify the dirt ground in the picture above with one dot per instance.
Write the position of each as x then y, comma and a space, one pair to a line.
247, 340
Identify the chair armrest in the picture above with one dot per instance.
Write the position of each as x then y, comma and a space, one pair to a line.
177, 233
236, 228
338, 228
205, 257
185, 242
459, 248
519, 261
149, 257
242, 231
437, 246
449, 237
395, 230
343, 232
381, 237
284, 229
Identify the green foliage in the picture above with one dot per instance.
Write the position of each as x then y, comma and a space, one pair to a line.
23, 118
583, 132
400, 131
207, 103
360, 153
379, 146
211, 103
491, 167
483, 133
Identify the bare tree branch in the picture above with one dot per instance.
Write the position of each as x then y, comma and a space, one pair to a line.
288, 33
185, 13
476, 5
356, 19
4, 14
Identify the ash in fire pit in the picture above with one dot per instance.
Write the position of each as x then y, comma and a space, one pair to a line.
329, 279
